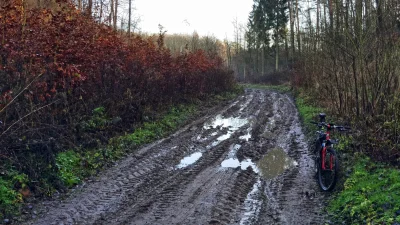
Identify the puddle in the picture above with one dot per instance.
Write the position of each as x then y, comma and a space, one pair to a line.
233, 123
274, 163
246, 137
234, 163
220, 139
213, 134
189, 160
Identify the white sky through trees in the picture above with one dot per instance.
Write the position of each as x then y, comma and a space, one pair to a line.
207, 17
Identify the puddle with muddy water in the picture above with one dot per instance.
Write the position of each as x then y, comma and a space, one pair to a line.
274, 163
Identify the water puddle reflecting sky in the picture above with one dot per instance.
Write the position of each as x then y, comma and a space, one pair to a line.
246, 137
234, 163
189, 160
233, 123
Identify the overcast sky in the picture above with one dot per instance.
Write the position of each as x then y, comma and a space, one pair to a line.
207, 17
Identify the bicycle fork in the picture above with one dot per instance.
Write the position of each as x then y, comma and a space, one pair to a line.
323, 159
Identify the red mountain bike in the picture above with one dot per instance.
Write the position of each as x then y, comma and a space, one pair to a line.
327, 162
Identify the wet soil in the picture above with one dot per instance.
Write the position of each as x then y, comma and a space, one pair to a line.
245, 163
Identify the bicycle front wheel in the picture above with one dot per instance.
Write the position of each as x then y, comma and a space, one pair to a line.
327, 176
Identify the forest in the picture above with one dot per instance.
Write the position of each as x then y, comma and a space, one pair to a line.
79, 81
344, 54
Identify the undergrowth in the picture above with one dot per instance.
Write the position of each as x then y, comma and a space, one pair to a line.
12, 188
367, 192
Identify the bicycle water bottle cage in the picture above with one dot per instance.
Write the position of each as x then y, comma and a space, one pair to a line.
322, 117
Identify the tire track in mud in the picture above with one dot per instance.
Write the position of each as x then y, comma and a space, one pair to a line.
188, 178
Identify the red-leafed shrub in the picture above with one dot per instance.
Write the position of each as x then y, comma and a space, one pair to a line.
57, 66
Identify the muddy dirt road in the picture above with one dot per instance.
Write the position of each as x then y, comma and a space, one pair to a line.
246, 163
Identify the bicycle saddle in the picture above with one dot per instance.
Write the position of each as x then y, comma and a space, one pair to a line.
322, 117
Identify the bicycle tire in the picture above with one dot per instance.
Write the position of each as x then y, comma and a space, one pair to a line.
327, 178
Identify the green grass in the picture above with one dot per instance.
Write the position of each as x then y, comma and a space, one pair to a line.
308, 112
151, 131
10, 199
279, 88
69, 167
371, 195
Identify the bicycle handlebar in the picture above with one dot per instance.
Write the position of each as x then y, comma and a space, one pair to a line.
331, 126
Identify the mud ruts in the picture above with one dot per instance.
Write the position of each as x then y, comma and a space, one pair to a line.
154, 185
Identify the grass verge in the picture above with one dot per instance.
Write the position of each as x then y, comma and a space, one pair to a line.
75, 165
279, 88
367, 192
371, 195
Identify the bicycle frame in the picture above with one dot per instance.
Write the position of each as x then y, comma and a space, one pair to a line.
326, 143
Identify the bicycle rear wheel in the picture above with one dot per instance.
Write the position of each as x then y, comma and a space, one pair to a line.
327, 177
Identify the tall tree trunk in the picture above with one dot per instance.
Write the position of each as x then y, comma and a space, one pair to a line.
101, 11
286, 50
291, 13
262, 58
356, 86
331, 14
129, 19
111, 17
298, 27
90, 7
380, 16
115, 13
277, 57
317, 31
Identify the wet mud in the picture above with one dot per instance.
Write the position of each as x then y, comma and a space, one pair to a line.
244, 163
